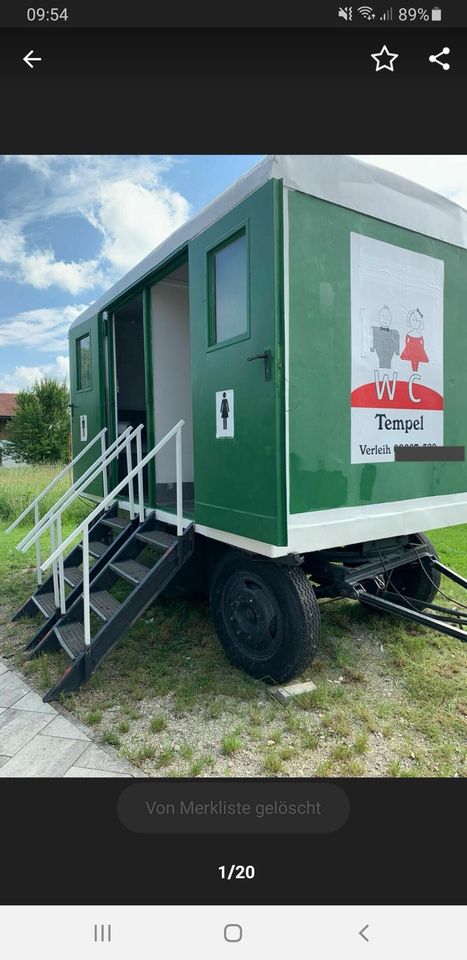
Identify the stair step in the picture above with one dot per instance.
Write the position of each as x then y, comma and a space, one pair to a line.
73, 575
157, 538
46, 603
96, 548
119, 523
130, 569
71, 637
104, 604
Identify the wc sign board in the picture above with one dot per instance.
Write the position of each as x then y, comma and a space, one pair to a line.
397, 349
224, 414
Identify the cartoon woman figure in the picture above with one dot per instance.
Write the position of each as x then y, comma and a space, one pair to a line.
224, 411
414, 349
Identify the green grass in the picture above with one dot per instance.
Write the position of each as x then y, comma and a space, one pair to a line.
230, 744
385, 688
158, 723
20, 485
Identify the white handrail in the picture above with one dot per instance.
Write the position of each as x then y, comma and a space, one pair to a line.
55, 480
127, 437
76, 489
113, 493
83, 528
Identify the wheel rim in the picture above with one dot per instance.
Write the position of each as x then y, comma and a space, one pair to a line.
252, 616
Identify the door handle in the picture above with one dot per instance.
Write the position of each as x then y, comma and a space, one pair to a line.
266, 356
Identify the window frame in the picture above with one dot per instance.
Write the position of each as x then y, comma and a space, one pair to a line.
241, 230
80, 389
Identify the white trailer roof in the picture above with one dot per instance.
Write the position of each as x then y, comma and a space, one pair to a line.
339, 179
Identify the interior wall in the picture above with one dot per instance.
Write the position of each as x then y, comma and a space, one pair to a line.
129, 338
172, 372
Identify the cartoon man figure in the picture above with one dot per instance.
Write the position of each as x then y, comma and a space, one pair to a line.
224, 411
386, 342
414, 349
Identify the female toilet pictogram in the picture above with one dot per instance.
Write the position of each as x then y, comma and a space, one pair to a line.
414, 349
224, 411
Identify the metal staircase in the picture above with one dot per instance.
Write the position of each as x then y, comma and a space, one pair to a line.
145, 577
108, 533
84, 607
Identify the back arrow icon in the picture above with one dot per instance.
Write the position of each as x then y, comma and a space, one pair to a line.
361, 932
29, 58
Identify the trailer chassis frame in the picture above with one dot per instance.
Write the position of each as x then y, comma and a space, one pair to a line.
344, 571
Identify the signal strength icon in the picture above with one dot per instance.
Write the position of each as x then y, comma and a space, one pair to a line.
387, 15
367, 13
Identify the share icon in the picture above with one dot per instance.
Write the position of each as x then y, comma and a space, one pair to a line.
434, 58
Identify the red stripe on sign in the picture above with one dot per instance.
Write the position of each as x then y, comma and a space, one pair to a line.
367, 396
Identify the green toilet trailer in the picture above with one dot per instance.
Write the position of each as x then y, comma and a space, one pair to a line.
309, 327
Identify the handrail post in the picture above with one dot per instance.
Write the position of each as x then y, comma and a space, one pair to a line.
179, 474
105, 482
139, 457
86, 608
131, 490
61, 574
54, 565
38, 546
123, 485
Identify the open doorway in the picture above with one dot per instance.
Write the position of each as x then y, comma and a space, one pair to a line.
130, 378
171, 361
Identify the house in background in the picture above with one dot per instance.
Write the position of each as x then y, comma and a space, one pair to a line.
7, 412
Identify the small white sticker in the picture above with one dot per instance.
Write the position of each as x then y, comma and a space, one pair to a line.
224, 414
83, 428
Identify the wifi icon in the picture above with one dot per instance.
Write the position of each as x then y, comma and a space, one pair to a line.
366, 12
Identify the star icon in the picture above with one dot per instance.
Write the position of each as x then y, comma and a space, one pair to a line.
384, 59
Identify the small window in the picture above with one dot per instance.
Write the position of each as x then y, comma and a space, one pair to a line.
83, 363
229, 292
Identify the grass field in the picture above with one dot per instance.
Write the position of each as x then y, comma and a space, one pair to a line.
390, 698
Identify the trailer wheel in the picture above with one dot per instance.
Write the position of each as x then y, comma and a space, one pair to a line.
266, 616
418, 580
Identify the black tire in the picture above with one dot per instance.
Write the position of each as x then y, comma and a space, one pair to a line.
419, 580
266, 616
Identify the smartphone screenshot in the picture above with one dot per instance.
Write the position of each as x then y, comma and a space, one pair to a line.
233, 484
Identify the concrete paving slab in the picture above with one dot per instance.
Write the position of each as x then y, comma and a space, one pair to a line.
3, 667
61, 727
12, 688
32, 701
19, 727
98, 759
75, 771
44, 757
3, 760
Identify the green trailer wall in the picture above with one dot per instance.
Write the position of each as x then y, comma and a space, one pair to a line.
321, 473
240, 482
89, 401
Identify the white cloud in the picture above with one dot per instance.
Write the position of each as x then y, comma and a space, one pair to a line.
123, 197
134, 220
42, 270
44, 329
24, 377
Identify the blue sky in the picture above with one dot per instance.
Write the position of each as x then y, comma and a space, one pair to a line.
71, 226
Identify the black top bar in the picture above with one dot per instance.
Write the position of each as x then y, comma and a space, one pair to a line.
59, 14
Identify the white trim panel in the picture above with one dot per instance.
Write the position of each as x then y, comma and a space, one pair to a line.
243, 543
322, 529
